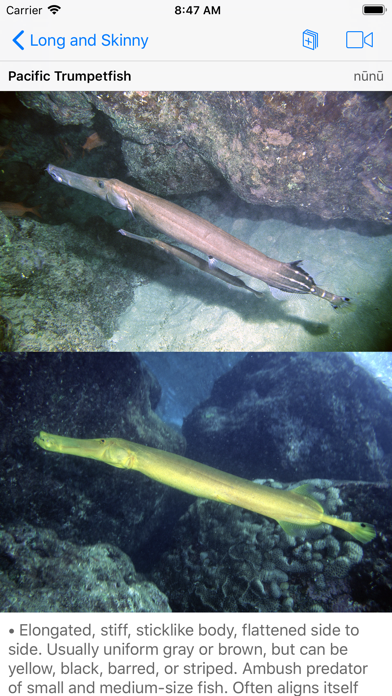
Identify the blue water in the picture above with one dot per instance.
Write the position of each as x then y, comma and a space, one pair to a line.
187, 378
377, 364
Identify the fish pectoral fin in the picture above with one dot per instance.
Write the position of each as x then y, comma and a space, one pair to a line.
129, 210
293, 529
279, 294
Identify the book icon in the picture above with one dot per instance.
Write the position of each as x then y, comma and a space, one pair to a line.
310, 39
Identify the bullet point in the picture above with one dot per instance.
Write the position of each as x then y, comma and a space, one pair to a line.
11, 630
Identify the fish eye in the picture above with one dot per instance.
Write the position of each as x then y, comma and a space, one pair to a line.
102, 442
101, 184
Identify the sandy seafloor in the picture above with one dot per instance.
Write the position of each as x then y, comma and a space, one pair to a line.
191, 311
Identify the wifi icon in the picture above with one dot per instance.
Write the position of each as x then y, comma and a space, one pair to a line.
54, 8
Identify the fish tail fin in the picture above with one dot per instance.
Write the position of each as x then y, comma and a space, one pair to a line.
35, 211
361, 531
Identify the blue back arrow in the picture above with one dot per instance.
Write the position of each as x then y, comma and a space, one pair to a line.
15, 40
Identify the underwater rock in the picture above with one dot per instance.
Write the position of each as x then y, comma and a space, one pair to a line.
6, 339
168, 170
39, 572
291, 415
227, 559
67, 108
327, 153
62, 290
83, 396
7, 229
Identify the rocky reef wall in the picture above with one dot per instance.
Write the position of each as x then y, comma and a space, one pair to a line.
295, 416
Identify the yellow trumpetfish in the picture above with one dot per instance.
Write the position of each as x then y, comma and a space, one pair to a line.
294, 510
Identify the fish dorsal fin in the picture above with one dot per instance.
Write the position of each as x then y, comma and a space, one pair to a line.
305, 491
294, 264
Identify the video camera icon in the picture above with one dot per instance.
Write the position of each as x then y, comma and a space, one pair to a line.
357, 39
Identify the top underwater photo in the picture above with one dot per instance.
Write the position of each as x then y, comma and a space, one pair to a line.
195, 221
196, 482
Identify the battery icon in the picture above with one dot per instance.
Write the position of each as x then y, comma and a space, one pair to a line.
373, 9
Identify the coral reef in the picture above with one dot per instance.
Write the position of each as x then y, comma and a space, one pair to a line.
39, 572
227, 559
293, 415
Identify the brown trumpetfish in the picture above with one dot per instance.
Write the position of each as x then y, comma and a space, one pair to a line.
189, 228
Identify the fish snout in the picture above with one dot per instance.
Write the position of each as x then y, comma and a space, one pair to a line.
45, 441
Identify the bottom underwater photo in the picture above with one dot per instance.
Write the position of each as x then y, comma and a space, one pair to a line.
196, 482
